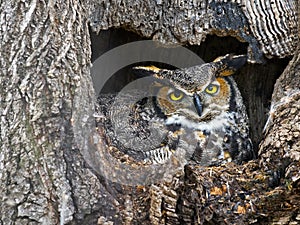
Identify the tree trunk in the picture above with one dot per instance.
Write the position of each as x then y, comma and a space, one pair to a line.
45, 61
47, 102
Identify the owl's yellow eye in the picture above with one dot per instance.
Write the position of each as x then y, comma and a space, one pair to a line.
212, 89
176, 95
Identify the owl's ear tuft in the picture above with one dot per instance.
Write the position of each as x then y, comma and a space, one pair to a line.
144, 71
229, 64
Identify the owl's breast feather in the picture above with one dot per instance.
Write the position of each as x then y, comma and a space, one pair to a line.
217, 123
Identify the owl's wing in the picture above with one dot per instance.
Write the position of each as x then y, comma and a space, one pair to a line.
145, 162
239, 145
131, 123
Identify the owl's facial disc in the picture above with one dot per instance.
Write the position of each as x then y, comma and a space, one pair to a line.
198, 105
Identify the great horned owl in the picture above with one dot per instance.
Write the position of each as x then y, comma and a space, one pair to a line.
197, 110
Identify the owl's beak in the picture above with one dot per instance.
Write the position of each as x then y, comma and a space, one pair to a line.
197, 103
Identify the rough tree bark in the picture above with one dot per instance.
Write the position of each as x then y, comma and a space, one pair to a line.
45, 61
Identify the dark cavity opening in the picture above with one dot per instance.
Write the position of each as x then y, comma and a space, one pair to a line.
255, 81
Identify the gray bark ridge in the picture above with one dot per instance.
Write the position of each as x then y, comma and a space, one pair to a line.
270, 27
45, 60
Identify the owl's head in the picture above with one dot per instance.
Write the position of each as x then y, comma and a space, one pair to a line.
199, 93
